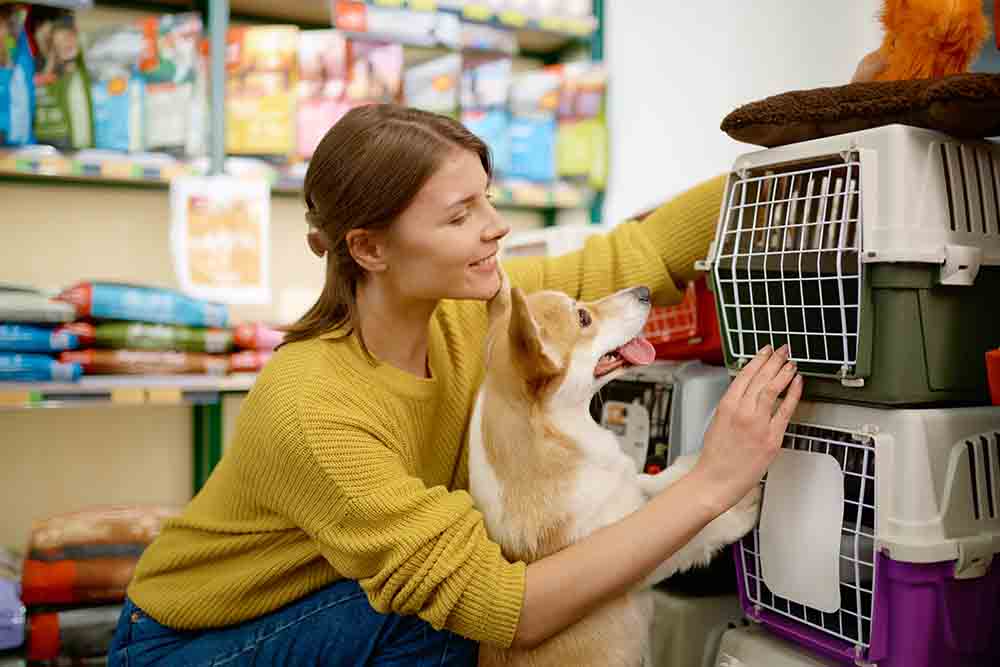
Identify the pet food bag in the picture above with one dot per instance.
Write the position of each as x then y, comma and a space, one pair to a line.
534, 99
72, 636
114, 301
146, 362
321, 86
257, 336
117, 88
169, 66
17, 73
261, 74
493, 127
486, 82
249, 361
374, 71
160, 337
36, 368
433, 85
62, 86
31, 338
28, 305
102, 525
67, 582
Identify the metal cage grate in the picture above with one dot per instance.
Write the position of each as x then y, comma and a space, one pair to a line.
852, 622
788, 266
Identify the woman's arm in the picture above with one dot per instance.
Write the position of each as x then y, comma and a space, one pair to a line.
658, 252
743, 439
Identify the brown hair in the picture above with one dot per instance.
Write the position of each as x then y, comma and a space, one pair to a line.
364, 173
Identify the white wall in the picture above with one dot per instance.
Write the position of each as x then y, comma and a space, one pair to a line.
677, 68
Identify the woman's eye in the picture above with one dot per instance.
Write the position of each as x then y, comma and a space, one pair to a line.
460, 219
584, 318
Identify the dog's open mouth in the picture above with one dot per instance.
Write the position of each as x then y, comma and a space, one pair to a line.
636, 352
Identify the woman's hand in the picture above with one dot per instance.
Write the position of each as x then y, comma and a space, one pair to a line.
748, 428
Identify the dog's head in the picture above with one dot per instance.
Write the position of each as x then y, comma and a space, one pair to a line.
554, 350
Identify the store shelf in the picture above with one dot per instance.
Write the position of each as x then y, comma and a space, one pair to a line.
123, 169
123, 390
34, 163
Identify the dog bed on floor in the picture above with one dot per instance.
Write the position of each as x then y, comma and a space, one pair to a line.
961, 105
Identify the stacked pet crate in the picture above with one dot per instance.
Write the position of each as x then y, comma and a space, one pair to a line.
875, 256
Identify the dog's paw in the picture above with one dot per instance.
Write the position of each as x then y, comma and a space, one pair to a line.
737, 521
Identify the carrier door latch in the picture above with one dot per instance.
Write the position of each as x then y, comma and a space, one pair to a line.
974, 557
961, 264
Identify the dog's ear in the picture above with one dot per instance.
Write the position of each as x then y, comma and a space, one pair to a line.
526, 340
499, 305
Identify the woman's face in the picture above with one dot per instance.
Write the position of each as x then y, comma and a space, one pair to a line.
445, 244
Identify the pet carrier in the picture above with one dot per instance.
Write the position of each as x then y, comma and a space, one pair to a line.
877, 536
664, 406
753, 647
874, 255
688, 330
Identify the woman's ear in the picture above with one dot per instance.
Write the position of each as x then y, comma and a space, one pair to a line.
368, 249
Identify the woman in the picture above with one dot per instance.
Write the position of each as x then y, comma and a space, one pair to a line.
336, 530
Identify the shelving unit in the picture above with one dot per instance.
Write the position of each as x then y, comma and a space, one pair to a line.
45, 173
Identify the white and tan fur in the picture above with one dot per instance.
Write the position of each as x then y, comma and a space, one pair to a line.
545, 474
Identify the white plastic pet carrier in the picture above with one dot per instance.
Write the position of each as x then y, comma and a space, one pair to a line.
894, 229
753, 647
864, 512
664, 406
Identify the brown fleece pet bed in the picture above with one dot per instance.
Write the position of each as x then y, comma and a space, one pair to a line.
962, 105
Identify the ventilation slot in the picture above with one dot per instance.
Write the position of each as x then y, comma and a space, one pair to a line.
983, 454
970, 175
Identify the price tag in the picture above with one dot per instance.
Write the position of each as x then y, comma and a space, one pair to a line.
513, 19
165, 396
552, 24
128, 396
14, 398
389, 3
477, 12
423, 5
578, 26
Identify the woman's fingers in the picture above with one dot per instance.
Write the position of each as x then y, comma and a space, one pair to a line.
768, 395
765, 375
783, 415
738, 387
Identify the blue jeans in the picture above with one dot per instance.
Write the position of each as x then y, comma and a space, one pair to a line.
334, 626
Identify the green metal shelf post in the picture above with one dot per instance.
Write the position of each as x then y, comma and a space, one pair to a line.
207, 439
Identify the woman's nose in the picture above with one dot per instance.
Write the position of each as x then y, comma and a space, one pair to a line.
496, 228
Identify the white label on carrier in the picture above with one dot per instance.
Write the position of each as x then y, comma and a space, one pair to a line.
800, 524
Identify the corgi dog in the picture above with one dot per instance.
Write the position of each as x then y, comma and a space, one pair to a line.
545, 474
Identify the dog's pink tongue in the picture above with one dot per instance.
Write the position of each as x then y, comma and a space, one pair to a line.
638, 352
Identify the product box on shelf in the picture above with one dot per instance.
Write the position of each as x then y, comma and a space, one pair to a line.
261, 75
374, 71
322, 86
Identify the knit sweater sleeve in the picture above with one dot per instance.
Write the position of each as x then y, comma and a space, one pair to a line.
658, 252
414, 550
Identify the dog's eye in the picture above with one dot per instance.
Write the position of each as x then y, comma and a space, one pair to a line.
584, 317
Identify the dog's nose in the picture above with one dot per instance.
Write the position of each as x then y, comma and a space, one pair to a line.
642, 294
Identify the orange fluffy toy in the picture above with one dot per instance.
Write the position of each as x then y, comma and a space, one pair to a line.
926, 39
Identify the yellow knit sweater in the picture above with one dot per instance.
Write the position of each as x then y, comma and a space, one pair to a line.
344, 468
